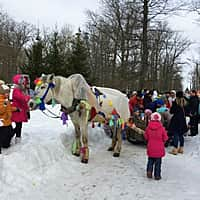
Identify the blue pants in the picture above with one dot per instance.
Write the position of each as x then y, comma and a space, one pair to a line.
178, 137
154, 163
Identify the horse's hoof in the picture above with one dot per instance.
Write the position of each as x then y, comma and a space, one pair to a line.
76, 154
84, 161
116, 154
110, 149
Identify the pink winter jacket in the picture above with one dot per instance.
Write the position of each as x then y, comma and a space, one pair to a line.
156, 136
20, 100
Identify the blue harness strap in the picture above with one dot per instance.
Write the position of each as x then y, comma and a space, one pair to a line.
41, 103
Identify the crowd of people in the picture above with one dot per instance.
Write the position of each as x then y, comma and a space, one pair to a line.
164, 119
14, 109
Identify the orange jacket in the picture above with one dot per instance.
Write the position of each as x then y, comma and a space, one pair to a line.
6, 110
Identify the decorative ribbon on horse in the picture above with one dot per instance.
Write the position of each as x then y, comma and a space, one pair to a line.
40, 101
64, 118
87, 108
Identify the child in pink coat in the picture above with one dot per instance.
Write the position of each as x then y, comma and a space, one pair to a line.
20, 100
156, 136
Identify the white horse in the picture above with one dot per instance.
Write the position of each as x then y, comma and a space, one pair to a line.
112, 98
77, 100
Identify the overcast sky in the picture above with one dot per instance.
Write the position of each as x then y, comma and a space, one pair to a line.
61, 12
49, 12
72, 12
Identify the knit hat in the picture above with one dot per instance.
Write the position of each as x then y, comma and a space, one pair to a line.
155, 116
147, 112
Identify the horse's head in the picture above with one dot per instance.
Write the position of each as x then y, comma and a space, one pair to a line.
43, 91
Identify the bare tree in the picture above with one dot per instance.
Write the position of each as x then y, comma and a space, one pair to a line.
152, 10
13, 37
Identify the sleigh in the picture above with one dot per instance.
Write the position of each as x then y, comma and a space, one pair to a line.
135, 134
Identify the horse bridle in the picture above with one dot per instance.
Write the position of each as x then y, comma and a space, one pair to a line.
41, 103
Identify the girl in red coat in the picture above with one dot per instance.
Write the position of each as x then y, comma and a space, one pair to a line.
156, 136
20, 100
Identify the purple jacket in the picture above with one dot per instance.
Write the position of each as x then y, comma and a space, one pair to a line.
20, 100
156, 136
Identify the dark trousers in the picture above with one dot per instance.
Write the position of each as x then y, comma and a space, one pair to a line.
6, 134
194, 120
154, 164
18, 129
178, 137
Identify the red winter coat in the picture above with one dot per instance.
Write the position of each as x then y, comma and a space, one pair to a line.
134, 101
156, 136
20, 100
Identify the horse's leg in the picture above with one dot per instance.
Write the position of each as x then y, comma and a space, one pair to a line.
84, 149
117, 148
76, 147
114, 139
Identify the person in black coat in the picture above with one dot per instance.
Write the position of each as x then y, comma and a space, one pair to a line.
177, 125
193, 106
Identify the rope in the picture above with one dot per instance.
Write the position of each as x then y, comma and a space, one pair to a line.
54, 115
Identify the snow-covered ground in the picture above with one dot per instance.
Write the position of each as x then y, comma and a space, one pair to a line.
41, 167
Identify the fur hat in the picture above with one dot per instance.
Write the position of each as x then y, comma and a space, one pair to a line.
2, 82
173, 91
155, 116
4, 89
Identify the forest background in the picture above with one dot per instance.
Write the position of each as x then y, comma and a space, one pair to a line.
127, 45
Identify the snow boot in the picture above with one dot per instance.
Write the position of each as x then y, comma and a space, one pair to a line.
180, 150
157, 178
149, 174
174, 151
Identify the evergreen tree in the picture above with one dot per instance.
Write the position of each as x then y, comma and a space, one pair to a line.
35, 64
54, 59
78, 62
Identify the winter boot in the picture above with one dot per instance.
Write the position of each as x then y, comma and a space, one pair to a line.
149, 174
157, 178
180, 150
174, 151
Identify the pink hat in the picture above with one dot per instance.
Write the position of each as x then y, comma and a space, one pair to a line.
155, 116
148, 112
17, 79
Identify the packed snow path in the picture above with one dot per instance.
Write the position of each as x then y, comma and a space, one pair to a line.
42, 167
